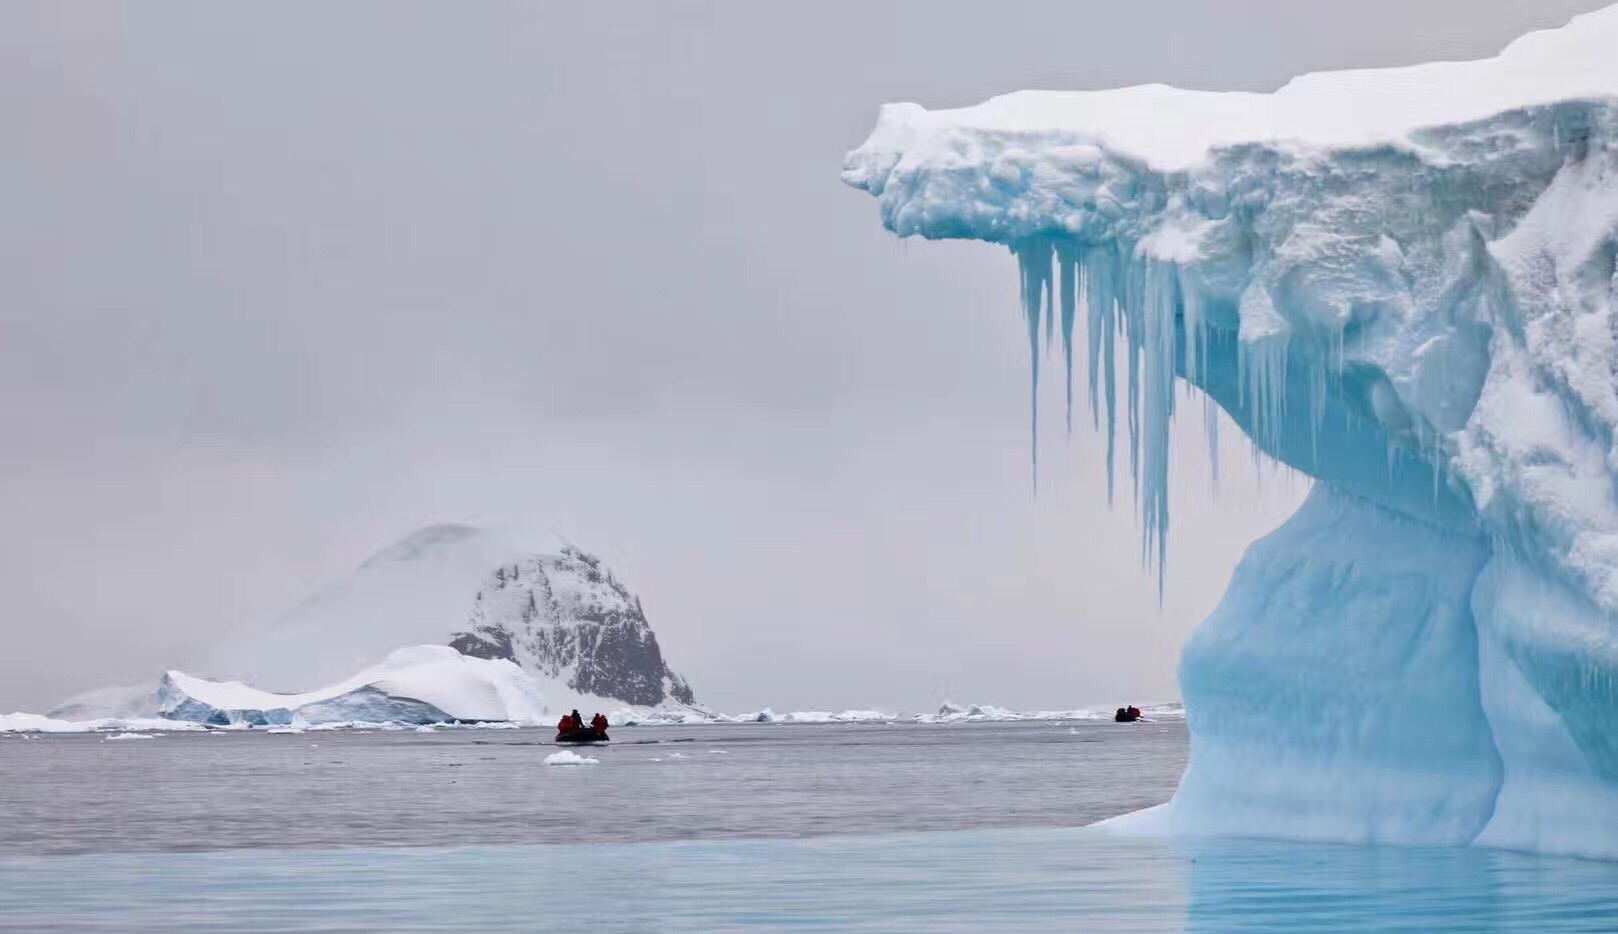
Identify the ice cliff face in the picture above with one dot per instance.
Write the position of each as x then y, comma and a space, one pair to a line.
559, 614
1400, 282
564, 616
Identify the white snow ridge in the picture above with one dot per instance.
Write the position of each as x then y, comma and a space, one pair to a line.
1402, 283
419, 685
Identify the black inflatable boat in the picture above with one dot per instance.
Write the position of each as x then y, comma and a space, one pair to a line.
582, 736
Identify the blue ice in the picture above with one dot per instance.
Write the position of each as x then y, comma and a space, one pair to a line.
1420, 314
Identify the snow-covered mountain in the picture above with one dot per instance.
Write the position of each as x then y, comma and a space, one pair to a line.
560, 614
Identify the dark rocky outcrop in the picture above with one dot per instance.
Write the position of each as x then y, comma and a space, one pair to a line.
565, 617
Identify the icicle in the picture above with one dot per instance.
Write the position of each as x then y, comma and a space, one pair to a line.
1158, 309
1089, 272
1050, 302
1262, 365
1101, 299
1131, 304
1261, 362
1321, 380
1191, 311
1154, 302
1068, 262
1034, 261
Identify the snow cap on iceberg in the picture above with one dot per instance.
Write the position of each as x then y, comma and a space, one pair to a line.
418, 684
1171, 129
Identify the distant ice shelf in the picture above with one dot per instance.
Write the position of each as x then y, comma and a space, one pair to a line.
1400, 282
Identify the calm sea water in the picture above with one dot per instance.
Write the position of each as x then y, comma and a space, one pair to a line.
750, 828
211, 791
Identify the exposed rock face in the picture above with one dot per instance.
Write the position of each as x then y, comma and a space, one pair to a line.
565, 617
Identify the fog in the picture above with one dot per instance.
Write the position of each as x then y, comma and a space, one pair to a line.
280, 283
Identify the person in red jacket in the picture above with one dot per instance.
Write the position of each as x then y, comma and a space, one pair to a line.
599, 724
564, 724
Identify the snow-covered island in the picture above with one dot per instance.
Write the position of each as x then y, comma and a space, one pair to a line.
1400, 282
450, 624
559, 613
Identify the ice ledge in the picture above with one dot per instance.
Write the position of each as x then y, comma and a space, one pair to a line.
1171, 129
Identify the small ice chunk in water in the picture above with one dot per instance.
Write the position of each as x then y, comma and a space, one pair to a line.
569, 757
130, 736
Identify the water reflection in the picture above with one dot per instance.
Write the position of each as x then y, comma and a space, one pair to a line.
1019, 880
1252, 885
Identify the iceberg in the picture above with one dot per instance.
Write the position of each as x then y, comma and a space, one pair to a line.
1399, 282
419, 685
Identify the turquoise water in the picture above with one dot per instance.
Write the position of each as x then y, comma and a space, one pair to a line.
997, 880
968, 827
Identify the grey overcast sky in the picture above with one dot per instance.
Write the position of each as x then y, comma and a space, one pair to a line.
281, 282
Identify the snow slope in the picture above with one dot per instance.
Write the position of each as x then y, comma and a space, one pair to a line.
414, 592
1400, 282
420, 684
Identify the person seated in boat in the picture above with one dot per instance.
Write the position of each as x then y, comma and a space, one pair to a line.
599, 724
565, 724
1134, 713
